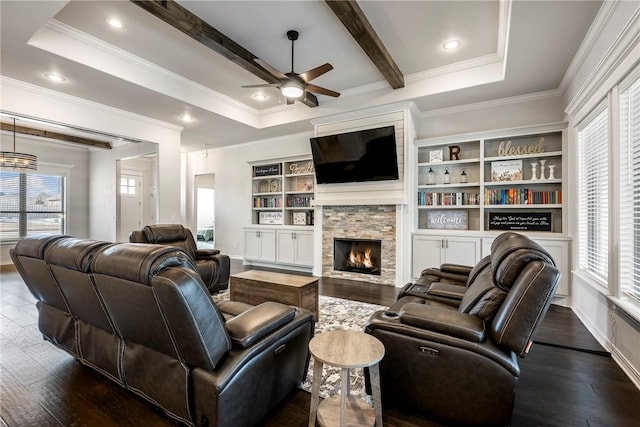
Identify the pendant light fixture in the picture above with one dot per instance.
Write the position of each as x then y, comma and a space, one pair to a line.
17, 161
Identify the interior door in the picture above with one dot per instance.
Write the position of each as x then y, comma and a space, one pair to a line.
130, 204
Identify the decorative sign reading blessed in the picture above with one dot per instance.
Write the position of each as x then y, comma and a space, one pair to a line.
447, 220
301, 168
507, 148
266, 170
531, 221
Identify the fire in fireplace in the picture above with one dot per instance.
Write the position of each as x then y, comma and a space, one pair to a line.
357, 255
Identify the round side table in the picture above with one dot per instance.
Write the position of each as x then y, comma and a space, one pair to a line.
346, 350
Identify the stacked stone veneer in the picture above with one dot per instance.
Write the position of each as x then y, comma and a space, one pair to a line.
360, 222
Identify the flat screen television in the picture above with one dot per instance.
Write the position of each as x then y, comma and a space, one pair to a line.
367, 155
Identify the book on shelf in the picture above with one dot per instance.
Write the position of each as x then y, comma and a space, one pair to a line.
426, 198
267, 202
298, 201
521, 196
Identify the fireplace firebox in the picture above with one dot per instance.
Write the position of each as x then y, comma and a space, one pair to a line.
357, 255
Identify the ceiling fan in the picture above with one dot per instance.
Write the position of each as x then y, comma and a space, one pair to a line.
296, 86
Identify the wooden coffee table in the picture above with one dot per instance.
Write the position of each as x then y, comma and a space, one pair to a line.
345, 349
255, 287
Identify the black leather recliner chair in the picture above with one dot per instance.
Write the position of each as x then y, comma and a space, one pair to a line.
452, 347
214, 267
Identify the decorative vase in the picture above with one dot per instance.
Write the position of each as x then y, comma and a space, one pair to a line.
463, 177
431, 179
552, 169
447, 176
534, 173
542, 163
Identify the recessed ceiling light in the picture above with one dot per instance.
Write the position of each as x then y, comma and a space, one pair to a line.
55, 77
186, 118
114, 22
260, 96
451, 44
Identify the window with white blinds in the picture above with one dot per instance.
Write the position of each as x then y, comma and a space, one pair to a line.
593, 196
630, 191
30, 204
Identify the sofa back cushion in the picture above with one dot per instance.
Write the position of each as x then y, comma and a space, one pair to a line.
158, 300
28, 257
70, 260
510, 254
171, 234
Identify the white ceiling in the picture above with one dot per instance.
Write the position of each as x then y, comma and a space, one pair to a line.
151, 69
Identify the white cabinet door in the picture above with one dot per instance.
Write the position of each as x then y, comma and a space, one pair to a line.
426, 253
462, 250
304, 248
252, 245
559, 251
260, 245
268, 245
286, 249
433, 251
295, 247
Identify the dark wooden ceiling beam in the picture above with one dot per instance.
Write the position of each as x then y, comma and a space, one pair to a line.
354, 20
191, 25
57, 136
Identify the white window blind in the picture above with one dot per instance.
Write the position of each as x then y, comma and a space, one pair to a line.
630, 191
31, 203
593, 199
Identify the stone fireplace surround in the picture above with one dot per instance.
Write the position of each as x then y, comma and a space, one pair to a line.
376, 222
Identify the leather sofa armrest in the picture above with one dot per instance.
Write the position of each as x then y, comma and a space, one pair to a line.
464, 270
445, 321
206, 253
252, 325
446, 292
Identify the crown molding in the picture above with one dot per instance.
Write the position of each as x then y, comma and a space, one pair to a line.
624, 48
365, 112
593, 34
530, 97
90, 105
122, 64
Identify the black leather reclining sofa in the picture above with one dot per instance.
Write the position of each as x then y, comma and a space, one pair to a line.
141, 315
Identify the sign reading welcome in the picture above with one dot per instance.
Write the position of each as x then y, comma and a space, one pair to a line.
448, 220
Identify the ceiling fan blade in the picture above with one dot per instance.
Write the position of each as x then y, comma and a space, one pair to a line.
321, 90
309, 100
277, 74
264, 85
313, 73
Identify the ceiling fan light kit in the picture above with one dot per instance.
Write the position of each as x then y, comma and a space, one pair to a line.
296, 86
292, 89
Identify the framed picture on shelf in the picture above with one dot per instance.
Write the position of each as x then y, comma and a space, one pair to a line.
304, 183
526, 221
274, 185
435, 156
300, 218
507, 170
266, 170
264, 186
270, 218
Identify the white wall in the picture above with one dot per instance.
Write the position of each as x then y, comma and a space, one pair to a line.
233, 183
34, 101
57, 158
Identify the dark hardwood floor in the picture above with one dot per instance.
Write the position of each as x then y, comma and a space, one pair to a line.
567, 378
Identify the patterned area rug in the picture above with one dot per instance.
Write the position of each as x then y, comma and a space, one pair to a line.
335, 313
